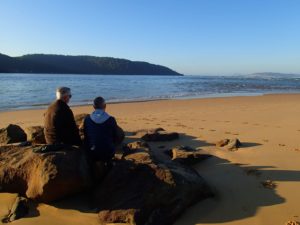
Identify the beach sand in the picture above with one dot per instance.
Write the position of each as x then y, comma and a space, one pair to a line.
268, 126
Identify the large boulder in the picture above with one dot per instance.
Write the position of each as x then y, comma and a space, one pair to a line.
12, 134
158, 134
35, 134
145, 190
44, 177
186, 155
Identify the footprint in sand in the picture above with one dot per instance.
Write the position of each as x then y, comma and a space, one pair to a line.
236, 134
212, 130
227, 132
269, 184
201, 128
203, 120
245, 123
297, 149
281, 145
265, 140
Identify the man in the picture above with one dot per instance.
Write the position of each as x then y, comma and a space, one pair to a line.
60, 126
101, 133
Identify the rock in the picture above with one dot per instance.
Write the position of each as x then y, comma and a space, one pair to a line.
233, 144
138, 145
222, 143
79, 119
145, 131
229, 144
145, 190
158, 134
19, 209
292, 223
186, 155
35, 134
12, 134
43, 177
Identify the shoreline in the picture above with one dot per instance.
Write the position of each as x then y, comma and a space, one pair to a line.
210, 96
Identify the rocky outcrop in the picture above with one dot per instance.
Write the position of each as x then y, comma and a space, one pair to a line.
35, 134
12, 134
44, 177
229, 144
145, 190
158, 134
139, 188
186, 155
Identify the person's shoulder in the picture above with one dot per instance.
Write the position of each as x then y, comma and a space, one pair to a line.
53, 106
111, 120
87, 118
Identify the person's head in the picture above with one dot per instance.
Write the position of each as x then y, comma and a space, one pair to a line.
63, 94
99, 103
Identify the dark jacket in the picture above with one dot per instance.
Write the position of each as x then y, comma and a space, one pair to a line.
101, 135
60, 126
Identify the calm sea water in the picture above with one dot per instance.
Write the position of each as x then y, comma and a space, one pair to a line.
22, 91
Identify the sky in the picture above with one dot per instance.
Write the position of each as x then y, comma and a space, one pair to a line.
193, 37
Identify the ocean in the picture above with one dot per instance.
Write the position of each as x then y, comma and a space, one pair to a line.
25, 91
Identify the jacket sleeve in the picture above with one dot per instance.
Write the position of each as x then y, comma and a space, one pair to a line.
75, 138
118, 133
85, 134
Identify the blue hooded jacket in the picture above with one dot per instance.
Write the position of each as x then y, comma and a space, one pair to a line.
99, 134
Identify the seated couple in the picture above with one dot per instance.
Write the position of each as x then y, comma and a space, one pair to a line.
101, 132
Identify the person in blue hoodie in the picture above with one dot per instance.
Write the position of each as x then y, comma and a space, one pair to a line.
101, 133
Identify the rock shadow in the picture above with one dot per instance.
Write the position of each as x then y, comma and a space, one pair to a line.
239, 193
249, 144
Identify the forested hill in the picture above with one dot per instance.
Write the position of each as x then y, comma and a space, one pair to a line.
61, 64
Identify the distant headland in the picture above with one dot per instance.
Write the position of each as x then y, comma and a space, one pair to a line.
65, 64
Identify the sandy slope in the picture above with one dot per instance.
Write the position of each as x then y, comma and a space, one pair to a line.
269, 127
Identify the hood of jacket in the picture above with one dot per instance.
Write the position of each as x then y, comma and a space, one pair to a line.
99, 116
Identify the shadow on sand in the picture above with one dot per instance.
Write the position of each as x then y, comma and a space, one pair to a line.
238, 194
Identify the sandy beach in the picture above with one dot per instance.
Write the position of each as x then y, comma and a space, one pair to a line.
268, 127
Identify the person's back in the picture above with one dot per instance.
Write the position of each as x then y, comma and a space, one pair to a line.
59, 123
101, 133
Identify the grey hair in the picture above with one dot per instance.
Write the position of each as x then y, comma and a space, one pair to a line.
62, 91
